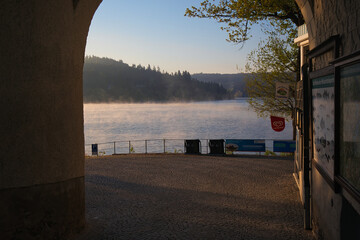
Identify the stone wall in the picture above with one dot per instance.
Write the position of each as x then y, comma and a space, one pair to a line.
42, 143
326, 18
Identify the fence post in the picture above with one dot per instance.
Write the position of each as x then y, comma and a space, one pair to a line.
145, 146
114, 148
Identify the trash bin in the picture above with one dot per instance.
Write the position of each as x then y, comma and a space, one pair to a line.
217, 146
192, 146
94, 149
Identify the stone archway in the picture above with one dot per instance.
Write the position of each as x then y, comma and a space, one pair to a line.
42, 144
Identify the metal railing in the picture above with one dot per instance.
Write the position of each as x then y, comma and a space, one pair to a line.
302, 30
158, 146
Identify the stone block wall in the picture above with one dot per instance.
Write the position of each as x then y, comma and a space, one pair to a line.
42, 137
326, 18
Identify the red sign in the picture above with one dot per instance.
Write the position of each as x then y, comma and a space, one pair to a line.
277, 123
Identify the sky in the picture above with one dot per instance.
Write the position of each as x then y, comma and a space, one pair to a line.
156, 32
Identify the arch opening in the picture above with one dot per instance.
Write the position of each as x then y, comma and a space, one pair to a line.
42, 171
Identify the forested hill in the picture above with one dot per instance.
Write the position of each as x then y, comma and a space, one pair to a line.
107, 80
233, 82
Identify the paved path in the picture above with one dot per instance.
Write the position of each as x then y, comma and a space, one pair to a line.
191, 197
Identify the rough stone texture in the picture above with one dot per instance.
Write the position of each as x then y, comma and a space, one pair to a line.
191, 197
50, 211
41, 91
326, 209
42, 143
326, 18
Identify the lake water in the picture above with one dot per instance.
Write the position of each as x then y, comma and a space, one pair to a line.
231, 119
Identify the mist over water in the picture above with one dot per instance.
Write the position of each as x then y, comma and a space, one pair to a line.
232, 119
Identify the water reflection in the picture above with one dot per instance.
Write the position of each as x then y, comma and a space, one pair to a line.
204, 120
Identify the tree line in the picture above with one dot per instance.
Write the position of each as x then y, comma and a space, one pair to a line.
108, 80
235, 82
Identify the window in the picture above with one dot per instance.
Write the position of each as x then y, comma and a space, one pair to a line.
349, 125
323, 96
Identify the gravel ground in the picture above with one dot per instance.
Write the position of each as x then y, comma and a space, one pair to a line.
191, 197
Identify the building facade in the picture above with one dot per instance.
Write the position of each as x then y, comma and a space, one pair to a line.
327, 163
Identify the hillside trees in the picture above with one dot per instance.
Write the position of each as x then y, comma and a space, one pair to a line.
107, 80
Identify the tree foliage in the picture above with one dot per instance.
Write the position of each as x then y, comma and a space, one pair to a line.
107, 80
238, 16
275, 60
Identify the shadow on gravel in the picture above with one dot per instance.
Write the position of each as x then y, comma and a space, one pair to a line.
118, 209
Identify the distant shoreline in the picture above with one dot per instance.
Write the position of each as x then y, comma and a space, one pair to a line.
106, 80
165, 102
